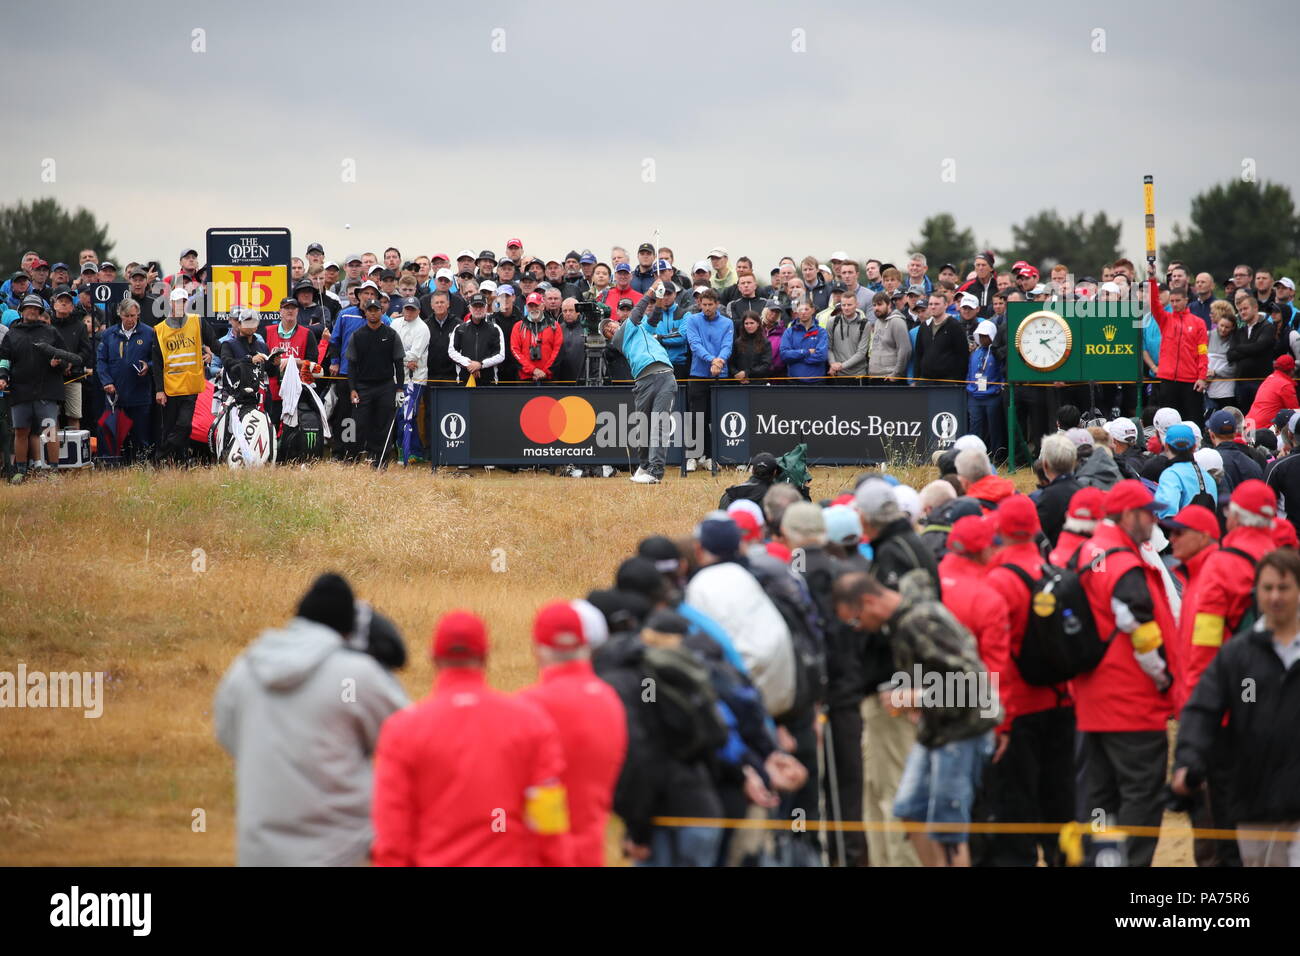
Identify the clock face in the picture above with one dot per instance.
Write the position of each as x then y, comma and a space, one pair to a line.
1044, 341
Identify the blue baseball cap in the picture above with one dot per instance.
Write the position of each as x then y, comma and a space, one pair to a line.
622, 267
588, 260
411, 302
663, 266
60, 265
1222, 423
1180, 437
505, 288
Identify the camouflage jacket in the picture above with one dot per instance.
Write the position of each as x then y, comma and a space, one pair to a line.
960, 700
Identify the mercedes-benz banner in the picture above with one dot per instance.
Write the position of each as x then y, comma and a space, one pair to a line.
841, 424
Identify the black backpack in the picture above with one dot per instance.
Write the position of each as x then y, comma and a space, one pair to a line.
1061, 639
1203, 497
684, 705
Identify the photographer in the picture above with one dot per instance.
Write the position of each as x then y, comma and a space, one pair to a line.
654, 387
535, 342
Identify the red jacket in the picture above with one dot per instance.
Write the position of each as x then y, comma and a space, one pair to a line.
1021, 698
1223, 598
1184, 343
522, 340
469, 777
990, 490
593, 733
295, 345
1066, 544
1118, 695
981, 610
1275, 393
1193, 573
612, 296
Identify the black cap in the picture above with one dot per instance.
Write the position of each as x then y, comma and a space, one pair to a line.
387, 274
316, 247
659, 548
374, 304
477, 299
487, 254
670, 288
410, 302
667, 622
949, 266
571, 254
763, 465
625, 304
63, 290
303, 284
506, 262
329, 601
640, 576
289, 302
645, 247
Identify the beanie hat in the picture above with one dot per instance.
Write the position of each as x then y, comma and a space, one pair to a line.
329, 601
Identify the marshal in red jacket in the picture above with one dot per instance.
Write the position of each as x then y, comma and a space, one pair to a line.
525, 335
981, 610
1118, 695
593, 733
1184, 343
469, 777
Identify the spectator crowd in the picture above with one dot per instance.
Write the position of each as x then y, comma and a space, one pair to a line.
162, 358
868, 679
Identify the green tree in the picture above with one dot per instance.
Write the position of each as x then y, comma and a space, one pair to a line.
1252, 223
46, 227
941, 241
1044, 239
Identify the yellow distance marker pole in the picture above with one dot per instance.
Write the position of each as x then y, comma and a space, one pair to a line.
1149, 198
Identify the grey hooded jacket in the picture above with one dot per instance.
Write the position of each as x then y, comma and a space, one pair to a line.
300, 714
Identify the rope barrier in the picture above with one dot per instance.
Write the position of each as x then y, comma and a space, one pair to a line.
908, 826
915, 379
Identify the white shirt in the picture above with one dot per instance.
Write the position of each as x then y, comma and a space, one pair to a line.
415, 339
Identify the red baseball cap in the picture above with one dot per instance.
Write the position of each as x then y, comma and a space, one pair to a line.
514, 244
1086, 505
439, 255
534, 298
40, 264
844, 499
1017, 517
558, 625
777, 550
972, 534
1194, 518
1256, 497
459, 636
1127, 495
748, 525
1284, 535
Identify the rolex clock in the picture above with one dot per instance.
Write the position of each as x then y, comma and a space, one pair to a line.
1044, 341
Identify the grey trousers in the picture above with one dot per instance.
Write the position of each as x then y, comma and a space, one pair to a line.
652, 396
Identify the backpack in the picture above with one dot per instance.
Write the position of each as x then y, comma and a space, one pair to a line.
794, 602
685, 705
1203, 497
1061, 639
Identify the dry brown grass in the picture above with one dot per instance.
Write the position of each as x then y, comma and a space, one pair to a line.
100, 577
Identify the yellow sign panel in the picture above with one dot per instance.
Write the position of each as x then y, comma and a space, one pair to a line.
254, 287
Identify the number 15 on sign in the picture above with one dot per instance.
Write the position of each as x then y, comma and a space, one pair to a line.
259, 288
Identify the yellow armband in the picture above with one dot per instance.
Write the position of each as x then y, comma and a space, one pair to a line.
1207, 631
546, 809
1147, 637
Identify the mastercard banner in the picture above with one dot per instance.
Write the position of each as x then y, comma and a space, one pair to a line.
530, 425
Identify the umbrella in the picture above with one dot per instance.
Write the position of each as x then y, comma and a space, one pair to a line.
114, 426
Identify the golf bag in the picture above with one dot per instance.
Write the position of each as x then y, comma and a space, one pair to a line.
306, 440
242, 435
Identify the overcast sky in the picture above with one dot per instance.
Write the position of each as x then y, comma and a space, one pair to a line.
754, 146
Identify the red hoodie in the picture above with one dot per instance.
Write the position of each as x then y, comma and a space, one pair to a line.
593, 733
1194, 574
990, 490
1184, 343
1021, 697
469, 777
980, 609
1275, 393
1222, 598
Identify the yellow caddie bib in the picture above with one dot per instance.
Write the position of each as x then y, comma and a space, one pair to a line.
182, 352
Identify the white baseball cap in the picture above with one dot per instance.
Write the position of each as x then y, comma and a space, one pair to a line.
179, 295
1284, 281
704, 265
840, 256
488, 286
970, 441
445, 273
1039, 289
1122, 429
718, 251
1110, 287
968, 301
1165, 417
1209, 459
986, 328
465, 254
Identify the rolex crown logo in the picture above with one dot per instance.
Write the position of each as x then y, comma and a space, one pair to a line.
1109, 331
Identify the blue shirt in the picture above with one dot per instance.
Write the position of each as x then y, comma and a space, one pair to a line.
709, 339
984, 364
795, 346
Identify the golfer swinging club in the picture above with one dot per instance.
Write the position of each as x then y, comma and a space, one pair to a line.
654, 387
